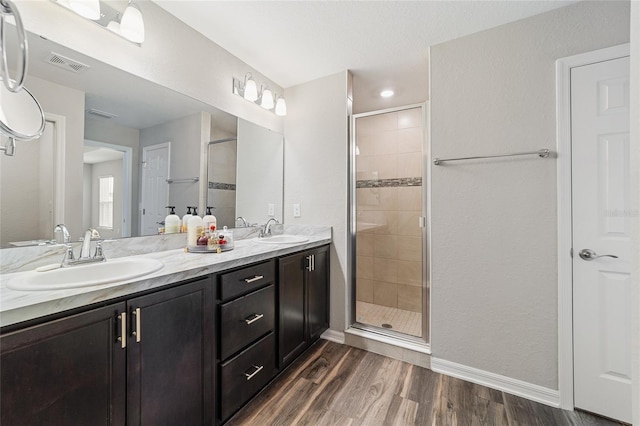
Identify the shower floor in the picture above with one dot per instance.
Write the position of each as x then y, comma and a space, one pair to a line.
400, 320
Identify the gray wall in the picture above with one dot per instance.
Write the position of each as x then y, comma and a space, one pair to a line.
494, 279
315, 171
101, 131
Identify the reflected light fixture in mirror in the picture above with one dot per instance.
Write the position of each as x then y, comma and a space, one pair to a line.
249, 91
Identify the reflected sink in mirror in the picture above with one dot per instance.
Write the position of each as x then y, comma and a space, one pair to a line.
87, 275
282, 239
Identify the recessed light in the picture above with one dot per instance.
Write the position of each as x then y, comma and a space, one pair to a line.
386, 93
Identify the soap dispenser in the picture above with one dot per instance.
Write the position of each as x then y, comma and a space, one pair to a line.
195, 229
209, 220
185, 220
172, 222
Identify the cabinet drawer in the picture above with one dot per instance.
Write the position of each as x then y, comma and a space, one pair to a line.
246, 280
245, 319
243, 376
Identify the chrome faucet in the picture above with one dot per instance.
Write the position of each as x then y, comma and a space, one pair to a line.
244, 221
89, 234
266, 231
85, 256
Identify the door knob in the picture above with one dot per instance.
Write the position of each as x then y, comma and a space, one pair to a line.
588, 254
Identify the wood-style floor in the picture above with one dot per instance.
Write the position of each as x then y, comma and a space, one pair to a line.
334, 384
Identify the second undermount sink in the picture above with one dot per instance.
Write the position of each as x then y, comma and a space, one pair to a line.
110, 271
283, 239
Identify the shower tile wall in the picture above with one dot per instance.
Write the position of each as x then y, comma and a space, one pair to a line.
389, 204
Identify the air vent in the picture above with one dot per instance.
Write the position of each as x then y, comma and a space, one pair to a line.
66, 63
102, 114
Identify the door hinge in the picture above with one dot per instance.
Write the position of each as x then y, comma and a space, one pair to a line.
571, 252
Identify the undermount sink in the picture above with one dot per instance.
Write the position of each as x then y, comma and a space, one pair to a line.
283, 239
91, 274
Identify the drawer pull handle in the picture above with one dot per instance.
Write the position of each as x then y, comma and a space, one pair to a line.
256, 371
255, 278
253, 318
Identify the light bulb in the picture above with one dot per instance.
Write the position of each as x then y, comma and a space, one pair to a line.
386, 93
281, 107
267, 99
132, 25
89, 9
250, 90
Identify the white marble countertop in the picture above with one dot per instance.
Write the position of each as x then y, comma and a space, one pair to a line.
18, 306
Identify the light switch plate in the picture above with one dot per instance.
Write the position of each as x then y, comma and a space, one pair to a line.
271, 209
296, 210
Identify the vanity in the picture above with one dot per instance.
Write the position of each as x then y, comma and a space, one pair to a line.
190, 343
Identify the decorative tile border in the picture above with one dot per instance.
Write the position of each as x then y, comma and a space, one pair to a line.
389, 183
223, 186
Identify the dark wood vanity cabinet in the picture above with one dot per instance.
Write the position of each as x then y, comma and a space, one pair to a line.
247, 335
78, 370
170, 356
69, 371
303, 301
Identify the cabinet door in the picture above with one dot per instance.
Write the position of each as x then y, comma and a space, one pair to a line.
318, 294
65, 372
291, 291
170, 355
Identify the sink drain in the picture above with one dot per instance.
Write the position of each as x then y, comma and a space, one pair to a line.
385, 325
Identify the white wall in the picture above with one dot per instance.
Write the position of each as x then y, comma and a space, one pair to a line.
315, 171
104, 131
494, 280
202, 70
635, 190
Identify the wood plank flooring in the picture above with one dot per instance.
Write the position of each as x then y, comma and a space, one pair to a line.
334, 384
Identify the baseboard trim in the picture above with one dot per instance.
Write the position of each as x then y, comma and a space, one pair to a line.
333, 336
496, 381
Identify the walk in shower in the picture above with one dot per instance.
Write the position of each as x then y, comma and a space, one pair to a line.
388, 222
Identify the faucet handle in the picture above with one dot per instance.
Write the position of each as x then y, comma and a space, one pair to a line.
99, 254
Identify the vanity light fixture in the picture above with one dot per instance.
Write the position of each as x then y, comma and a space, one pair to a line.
89, 9
248, 89
386, 93
126, 22
281, 107
266, 100
132, 24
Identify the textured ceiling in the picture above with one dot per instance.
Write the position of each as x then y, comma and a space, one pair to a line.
384, 43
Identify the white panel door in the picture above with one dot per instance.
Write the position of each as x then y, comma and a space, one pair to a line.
601, 238
155, 189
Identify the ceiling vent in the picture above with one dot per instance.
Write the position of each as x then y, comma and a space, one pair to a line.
101, 114
66, 63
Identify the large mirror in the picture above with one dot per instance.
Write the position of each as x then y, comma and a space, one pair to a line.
118, 149
244, 174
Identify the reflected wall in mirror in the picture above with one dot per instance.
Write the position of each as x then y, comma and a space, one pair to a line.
100, 106
245, 175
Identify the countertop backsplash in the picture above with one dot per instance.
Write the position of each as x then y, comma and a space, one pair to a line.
20, 259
